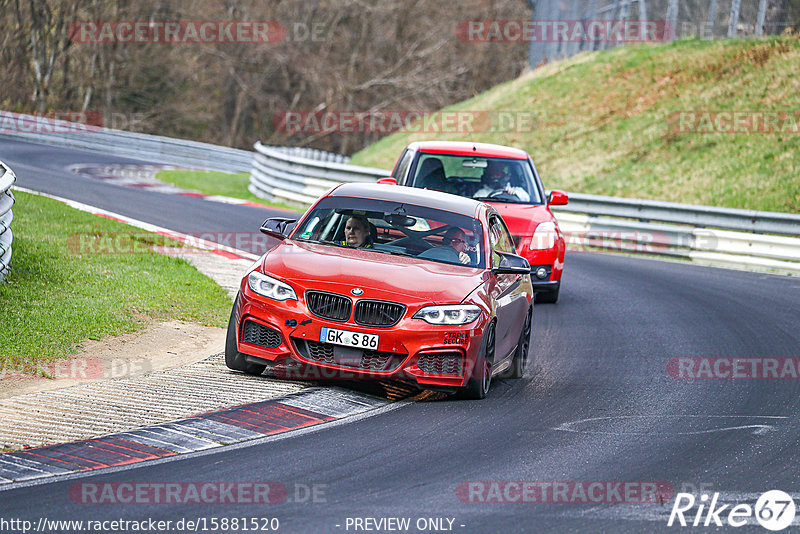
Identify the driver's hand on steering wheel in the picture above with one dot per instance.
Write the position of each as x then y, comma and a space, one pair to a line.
510, 190
463, 257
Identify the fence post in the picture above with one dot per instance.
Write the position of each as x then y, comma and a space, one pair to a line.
712, 19
672, 18
552, 47
575, 16
534, 47
762, 12
612, 16
591, 14
734, 17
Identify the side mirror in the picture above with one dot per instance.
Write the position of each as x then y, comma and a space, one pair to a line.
511, 264
277, 227
557, 198
387, 181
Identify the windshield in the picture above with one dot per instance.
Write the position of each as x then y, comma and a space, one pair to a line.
395, 228
488, 179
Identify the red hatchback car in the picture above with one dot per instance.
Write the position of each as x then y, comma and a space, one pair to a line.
507, 179
389, 283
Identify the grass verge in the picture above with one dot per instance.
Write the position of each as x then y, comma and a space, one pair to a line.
57, 295
603, 123
218, 183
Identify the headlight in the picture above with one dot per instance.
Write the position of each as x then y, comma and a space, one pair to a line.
544, 237
270, 287
452, 314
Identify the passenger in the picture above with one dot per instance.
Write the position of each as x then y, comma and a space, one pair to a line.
356, 232
456, 238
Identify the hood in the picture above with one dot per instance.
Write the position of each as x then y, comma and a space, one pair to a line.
382, 276
522, 219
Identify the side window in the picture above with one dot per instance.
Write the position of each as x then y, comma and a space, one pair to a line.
402, 166
537, 181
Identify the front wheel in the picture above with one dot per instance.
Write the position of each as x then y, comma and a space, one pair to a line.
233, 358
478, 384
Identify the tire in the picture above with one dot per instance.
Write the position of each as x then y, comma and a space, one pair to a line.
481, 380
233, 358
548, 297
520, 360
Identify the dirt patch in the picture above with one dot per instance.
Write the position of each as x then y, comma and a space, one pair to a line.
159, 346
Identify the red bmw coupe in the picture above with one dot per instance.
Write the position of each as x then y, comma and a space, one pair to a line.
507, 179
390, 283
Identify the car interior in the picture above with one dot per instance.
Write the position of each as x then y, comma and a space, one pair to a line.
394, 233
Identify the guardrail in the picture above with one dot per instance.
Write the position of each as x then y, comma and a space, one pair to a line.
713, 243
278, 175
7, 179
151, 148
764, 222
147, 147
704, 234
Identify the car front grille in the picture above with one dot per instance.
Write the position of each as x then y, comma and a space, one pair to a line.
329, 305
367, 360
441, 363
258, 334
378, 313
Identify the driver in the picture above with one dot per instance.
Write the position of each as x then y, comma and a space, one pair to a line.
356, 232
456, 238
494, 182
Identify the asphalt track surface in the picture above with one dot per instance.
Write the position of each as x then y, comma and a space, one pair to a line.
597, 404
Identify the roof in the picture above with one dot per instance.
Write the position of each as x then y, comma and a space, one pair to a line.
467, 148
409, 195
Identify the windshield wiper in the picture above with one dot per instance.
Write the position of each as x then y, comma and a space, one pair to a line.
498, 199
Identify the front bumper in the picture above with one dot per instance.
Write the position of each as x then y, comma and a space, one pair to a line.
545, 286
430, 355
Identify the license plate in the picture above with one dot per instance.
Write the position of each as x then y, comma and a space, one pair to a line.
348, 338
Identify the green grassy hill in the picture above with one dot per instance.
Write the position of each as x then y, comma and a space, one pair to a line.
602, 123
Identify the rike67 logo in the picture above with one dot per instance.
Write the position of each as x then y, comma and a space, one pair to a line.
774, 510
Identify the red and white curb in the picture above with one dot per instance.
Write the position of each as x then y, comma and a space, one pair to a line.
306, 408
